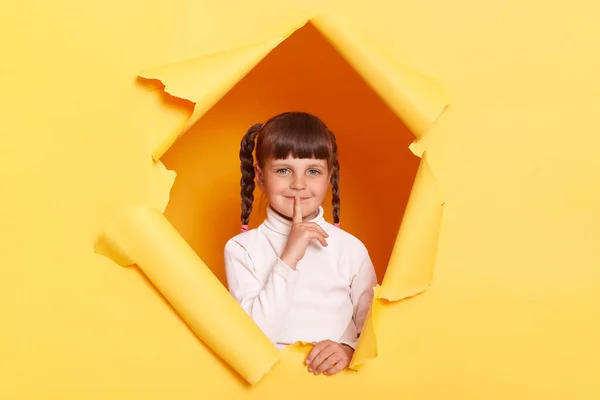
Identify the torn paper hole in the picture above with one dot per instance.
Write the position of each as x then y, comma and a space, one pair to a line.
175, 257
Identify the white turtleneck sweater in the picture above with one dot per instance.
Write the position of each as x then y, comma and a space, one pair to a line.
327, 296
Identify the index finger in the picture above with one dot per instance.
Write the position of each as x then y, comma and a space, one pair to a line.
297, 217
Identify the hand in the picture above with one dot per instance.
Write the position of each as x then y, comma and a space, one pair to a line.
300, 236
329, 357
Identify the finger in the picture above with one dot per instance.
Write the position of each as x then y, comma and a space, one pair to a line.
335, 368
321, 240
297, 217
316, 365
329, 362
317, 236
317, 227
317, 348
313, 227
311, 233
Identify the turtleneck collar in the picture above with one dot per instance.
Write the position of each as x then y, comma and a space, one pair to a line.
279, 224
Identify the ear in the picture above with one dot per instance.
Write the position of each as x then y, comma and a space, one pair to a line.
259, 177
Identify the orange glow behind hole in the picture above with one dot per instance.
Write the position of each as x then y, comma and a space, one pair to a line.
305, 73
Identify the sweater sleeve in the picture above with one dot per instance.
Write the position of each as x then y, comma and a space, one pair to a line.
362, 290
361, 294
266, 302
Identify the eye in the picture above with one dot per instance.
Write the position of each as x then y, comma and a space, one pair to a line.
314, 172
282, 171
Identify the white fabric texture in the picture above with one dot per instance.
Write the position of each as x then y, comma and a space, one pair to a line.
328, 296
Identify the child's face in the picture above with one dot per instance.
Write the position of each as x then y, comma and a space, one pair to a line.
281, 180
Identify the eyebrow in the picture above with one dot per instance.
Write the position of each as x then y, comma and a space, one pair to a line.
283, 164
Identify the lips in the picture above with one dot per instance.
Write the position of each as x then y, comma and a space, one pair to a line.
292, 198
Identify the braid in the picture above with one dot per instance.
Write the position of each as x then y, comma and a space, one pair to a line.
247, 169
335, 181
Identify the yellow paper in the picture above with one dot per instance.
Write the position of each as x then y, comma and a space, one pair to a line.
417, 99
367, 344
513, 306
204, 80
410, 269
144, 237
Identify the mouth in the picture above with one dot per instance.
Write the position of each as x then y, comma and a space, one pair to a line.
300, 198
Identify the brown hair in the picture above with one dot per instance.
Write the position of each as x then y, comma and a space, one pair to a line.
298, 134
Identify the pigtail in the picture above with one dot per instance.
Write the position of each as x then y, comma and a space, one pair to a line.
335, 182
247, 169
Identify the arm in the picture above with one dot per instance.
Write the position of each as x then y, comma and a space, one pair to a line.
330, 357
361, 293
266, 302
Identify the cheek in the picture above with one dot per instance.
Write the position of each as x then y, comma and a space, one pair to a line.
321, 186
274, 184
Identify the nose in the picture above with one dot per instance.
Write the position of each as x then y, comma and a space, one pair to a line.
298, 183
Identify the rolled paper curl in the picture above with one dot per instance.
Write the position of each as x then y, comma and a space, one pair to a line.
144, 237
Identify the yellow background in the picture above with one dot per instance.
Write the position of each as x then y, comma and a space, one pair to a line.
513, 309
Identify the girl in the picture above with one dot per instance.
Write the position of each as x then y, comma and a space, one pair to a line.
299, 277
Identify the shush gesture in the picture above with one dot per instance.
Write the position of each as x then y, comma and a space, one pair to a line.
300, 237
293, 274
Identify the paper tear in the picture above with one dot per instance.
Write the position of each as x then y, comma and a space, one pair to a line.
143, 236
410, 269
205, 80
366, 348
415, 98
411, 265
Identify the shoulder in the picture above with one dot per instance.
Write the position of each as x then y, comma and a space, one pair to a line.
352, 254
242, 242
345, 240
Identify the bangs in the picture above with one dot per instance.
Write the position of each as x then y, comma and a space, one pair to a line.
299, 137
311, 144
